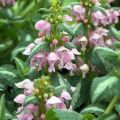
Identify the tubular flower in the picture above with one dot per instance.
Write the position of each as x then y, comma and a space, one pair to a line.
43, 25
109, 17
79, 12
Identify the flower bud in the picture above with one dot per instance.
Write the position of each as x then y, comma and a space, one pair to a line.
51, 20
65, 39
85, 21
41, 34
55, 42
42, 117
83, 39
45, 95
85, 70
59, 17
36, 91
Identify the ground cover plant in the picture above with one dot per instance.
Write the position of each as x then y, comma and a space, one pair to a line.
66, 65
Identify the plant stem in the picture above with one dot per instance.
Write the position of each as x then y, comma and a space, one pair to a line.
111, 105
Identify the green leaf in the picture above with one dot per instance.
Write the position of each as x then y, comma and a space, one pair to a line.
2, 87
22, 67
54, 114
79, 29
59, 82
66, 28
8, 73
104, 58
103, 87
76, 95
43, 46
69, 45
98, 8
2, 107
108, 117
81, 94
114, 32
94, 109
31, 99
117, 108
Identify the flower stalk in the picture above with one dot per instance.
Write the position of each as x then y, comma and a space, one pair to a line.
111, 105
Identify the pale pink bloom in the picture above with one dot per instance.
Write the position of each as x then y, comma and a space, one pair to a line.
25, 116
32, 108
20, 99
27, 85
39, 60
115, 16
23, 83
97, 17
65, 95
68, 18
108, 19
96, 2
19, 109
52, 59
74, 51
38, 40
7, 2
66, 56
28, 49
79, 12
55, 102
43, 25
97, 37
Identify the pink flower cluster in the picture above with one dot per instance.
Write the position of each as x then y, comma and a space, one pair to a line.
58, 102
97, 37
79, 12
29, 109
109, 17
7, 2
61, 58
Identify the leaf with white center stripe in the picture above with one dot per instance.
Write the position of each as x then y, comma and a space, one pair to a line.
97, 110
102, 87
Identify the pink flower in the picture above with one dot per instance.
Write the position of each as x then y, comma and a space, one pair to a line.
79, 12
97, 37
32, 108
28, 49
43, 25
55, 102
97, 17
52, 59
65, 95
7, 2
66, 56
39, 60
20, 99
23, 116
68, 18
115, 16
38, 41
27, 85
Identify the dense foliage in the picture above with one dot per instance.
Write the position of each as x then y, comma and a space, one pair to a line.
60, 60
